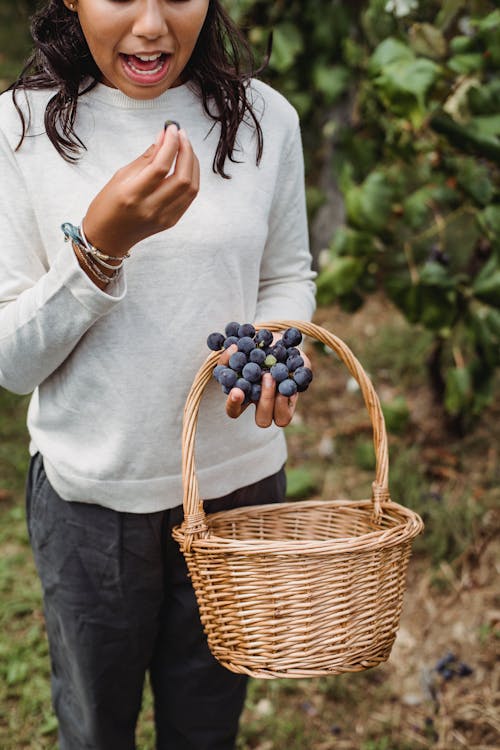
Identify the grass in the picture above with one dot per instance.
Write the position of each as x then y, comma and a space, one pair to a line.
455, 488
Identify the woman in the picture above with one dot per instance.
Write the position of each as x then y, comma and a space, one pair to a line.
165, 242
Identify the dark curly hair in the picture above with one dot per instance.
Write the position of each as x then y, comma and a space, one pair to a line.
219, 68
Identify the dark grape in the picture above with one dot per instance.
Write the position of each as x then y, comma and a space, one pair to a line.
258, 356
215, 341
252, 372
246, 329
230, 341
246, 344
263, 337
255, 392
279, 371
217, 371
237, 361
232, 329
292, 351
291, 337
228, 377
303, 377
279, 351
294, 362
244, 385
287, 387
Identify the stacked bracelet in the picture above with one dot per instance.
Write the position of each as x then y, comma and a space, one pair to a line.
90, 266
92, 258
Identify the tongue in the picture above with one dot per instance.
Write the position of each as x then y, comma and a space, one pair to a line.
144, 64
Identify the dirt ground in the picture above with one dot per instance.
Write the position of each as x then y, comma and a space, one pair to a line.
451, 606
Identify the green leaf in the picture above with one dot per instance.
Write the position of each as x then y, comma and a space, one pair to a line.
427, 40
339, 278
435, 275
369, 205
474, 178
287, 45
486, 286
331, 81
466, 63
390, 51
458, 391
413, 77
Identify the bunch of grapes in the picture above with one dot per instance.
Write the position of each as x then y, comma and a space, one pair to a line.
256, 355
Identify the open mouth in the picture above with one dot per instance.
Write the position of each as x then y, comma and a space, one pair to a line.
146, 68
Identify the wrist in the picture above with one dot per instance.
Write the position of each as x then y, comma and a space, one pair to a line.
111, 249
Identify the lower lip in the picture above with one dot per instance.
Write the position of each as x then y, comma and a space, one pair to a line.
146, 78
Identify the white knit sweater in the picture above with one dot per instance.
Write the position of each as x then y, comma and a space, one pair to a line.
110, 371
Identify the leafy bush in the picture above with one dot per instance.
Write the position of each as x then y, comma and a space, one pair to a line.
417, 163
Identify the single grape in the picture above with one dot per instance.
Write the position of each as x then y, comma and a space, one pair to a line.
291, 337
237, 361
263, 337
228, 377
252, 372
246, 329
287, 387
244, 385
279, 351
258, 356
279, 371
230, 341
255, 392
294, 362
217, 371
292, 351
303, 377
215, 341
246, 344
232, 329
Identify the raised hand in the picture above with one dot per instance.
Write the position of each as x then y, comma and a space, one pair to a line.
140, 199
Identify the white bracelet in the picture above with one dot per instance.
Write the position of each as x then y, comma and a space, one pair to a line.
98, 254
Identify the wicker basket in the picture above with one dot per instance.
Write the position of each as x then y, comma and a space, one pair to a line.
298, 589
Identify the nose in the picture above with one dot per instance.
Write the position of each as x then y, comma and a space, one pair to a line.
150, 20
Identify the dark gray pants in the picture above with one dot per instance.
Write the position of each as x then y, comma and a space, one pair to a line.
118, 602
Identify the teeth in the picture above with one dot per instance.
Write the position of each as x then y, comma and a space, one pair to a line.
145, 72
148, 58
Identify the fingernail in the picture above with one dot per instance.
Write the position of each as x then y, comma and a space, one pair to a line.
171, 122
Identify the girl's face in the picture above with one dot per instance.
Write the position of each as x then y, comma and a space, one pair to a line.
141, 46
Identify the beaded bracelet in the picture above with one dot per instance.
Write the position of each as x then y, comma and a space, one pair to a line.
77, 235
91, 266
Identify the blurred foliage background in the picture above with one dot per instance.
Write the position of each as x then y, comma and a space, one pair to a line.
400, 105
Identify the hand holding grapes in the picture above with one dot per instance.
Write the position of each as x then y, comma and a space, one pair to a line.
140, 200
254, 367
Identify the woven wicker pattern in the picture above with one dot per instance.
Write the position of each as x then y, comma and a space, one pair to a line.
298, 589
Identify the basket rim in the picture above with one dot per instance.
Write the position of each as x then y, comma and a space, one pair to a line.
379, 539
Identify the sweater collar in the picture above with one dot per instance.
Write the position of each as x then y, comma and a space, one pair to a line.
116, 98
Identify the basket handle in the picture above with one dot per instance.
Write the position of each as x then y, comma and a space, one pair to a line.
194, 525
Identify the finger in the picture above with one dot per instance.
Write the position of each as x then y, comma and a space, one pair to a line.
265, 405
157, 168
234, 403
226, 355
284, 408
181, 180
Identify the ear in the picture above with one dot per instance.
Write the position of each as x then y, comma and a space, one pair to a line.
70, 4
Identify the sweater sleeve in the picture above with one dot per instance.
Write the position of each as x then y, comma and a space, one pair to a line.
287, 288
44, 310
